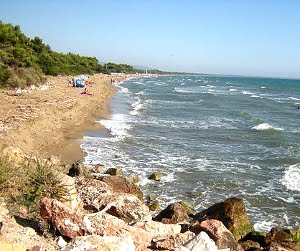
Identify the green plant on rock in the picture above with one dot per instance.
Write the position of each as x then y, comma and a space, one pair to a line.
43, 181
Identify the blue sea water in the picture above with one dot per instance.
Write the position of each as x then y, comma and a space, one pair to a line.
213, 137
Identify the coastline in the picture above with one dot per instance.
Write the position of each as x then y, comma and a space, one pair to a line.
50, 120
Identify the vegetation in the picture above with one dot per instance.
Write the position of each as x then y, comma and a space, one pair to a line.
38, 180
25, 61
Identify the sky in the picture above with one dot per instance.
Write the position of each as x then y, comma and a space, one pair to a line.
231, 37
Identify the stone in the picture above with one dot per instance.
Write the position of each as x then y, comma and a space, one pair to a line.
174, 213
73, 224
76, 169
232, 213
11, 246
274, 246
124, 206
158, 229
201, 242
246, 245
156, 176
188, 207
35, 248
68, 223
70, 197
256, 237
154, 205
220, 234
114, 171
278, 234
122, 185
97, 169
96, 243
61, 242
171, 241
134, 179
14, 154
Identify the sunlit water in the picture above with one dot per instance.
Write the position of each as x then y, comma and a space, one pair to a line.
213, 138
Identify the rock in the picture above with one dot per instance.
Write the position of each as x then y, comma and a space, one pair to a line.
154, 205
73, 224
11, 246
97, 169
246, 245
256, 237
156, 176
70, 197
122, 185
61, 242
134, 179
171, 241
35, 248
68, 223
96, 243
14, 154
278, 234
201, 242
158, 229
174, 213
274, 246
124, 206
76, 169
188, 207
232, 213
220, 234
114, 171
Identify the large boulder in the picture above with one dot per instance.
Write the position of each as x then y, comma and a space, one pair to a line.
173, 214
156, 176
170, 242
73, 224
97, 242
114, 171
122, 185
220, 235
232, 213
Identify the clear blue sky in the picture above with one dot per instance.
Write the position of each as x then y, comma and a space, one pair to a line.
245, 37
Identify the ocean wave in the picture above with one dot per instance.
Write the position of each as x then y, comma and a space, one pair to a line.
233, 90
294, 99
180, 90
137, 106
291, 178
265, 127
248, 93
117, 125
255, 96
123, 89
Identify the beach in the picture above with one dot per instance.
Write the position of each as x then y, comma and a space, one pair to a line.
50, 119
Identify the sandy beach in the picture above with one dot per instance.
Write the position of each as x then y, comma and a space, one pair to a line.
50, 120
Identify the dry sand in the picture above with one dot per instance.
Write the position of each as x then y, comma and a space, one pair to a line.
51, 122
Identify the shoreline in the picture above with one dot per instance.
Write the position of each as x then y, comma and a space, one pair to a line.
51, 120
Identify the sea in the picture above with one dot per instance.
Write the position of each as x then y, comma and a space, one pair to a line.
212, 137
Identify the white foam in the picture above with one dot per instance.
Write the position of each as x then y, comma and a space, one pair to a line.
117, 125
266, 126
137, 106
294, 99
263, 87
180, 90
232, 90
291, 178
123, 89
265, 225
247, 93
255, 96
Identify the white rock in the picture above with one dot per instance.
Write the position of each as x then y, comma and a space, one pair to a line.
61, 242
201, 242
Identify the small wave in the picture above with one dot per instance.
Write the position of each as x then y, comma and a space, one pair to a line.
137, 106
247, 93
117, 125
265, 127
180, 90
265, 225
232, 90
294, 99
140, 93
255, 96
291, 178
263, 87
123, 89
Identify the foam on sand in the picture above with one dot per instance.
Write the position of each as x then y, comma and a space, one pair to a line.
265, 127
291, 178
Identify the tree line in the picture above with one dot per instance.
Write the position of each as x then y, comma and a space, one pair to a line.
25, 61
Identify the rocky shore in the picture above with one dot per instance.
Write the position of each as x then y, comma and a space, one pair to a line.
98, 208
